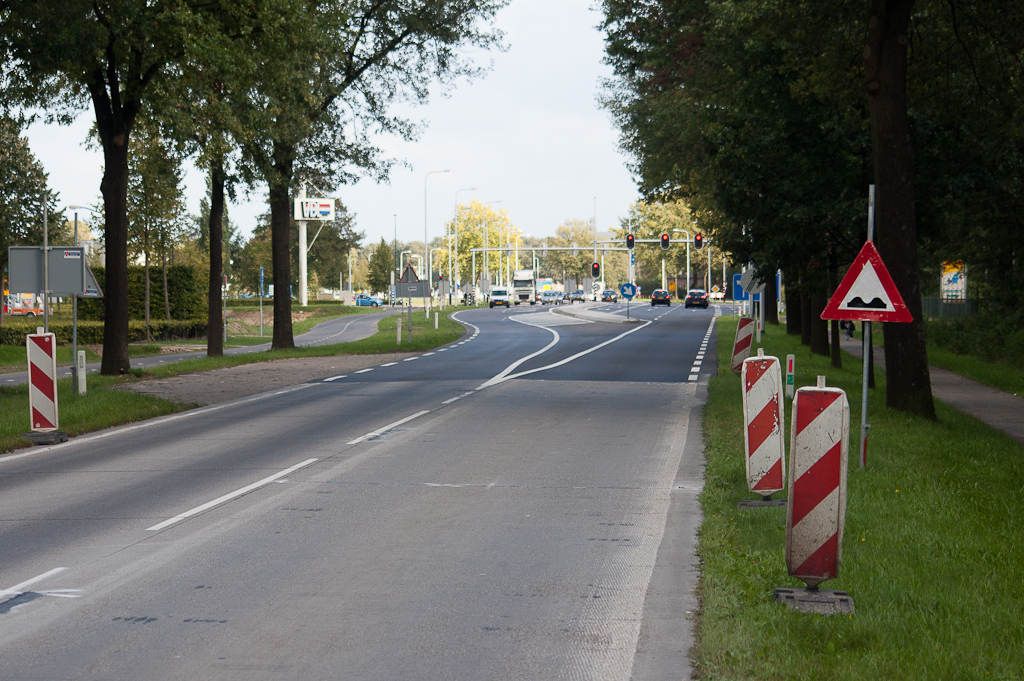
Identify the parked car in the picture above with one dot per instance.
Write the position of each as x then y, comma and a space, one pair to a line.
550, 297
696, 297
363, 300
577, 295
500, 296
661, 297
609, 296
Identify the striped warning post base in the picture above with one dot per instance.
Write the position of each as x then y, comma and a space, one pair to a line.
744, 340
816, 513
42, 380
763, 417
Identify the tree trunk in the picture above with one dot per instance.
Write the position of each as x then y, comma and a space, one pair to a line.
145, 248
167, 293
114, 188
215, 309
280, 224
908, 384
792, 310
770, 298
819, 327
833, 283
805, 318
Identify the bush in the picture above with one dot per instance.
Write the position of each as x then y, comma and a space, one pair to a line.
188, 293
996, 338
91, 333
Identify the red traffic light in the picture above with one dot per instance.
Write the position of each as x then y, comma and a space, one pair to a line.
595, 270
698, 241
665, 241
630, 241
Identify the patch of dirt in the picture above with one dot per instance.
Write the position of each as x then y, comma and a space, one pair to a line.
224, 385
242, 320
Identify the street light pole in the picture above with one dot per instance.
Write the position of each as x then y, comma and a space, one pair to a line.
453, 268
426, 242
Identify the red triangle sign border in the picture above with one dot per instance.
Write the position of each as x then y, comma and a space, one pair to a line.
838, 306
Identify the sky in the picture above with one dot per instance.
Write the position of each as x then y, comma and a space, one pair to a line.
530, 133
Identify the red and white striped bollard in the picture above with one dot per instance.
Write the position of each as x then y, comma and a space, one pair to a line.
42, 375
741, 345
763, 417
816, 514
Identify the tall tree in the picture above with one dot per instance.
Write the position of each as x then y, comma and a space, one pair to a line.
382, 263
58, 55
355, 58
23, 186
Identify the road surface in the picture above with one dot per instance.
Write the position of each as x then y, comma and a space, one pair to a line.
520, 504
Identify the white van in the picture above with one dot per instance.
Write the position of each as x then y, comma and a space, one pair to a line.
500, 296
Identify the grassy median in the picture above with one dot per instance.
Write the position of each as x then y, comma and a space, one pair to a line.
105, 406
933, 552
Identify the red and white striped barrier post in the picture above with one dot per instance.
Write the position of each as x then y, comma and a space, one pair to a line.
42, 380
763, 417
816, 514
741, 346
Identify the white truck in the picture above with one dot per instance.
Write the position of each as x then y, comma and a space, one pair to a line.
524, 287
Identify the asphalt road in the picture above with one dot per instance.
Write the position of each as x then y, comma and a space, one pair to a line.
520, 504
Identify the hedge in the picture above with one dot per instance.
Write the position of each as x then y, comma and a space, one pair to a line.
13, 332
188, 291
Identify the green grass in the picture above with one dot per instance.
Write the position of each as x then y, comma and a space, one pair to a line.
104, 406
932, 554
15, 357
1006, 378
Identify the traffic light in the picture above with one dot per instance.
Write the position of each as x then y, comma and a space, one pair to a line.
698, 241
595, 270
630, 241
665, 241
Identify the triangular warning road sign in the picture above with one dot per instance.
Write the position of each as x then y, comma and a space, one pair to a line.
409, 276
867, 292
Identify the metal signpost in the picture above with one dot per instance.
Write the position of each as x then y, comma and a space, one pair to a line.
628, 292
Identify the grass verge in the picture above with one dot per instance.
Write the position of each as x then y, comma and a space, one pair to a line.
105, 406
932, 551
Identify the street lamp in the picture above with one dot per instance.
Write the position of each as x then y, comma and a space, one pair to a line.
487, 271
426, 242
453, 274
401, 259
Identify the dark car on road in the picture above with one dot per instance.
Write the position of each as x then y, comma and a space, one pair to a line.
661, 297
696, 297
609, 296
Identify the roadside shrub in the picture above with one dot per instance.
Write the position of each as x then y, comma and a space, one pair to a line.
91, 333
187, 287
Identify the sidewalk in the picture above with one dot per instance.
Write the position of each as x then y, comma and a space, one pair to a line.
996, 408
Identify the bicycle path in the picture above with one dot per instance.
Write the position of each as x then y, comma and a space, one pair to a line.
1001, 410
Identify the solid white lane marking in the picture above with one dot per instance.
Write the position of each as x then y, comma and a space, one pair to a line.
511, 367
388, 427
19, 589
229, 496
500, 378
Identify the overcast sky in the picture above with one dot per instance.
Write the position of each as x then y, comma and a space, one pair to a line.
530, 133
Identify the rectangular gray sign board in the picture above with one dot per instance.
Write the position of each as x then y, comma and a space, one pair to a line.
417, 290
69, 275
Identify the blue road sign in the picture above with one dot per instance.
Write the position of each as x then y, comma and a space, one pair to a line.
628, 291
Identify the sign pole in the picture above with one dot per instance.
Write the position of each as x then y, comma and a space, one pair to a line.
866, 350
